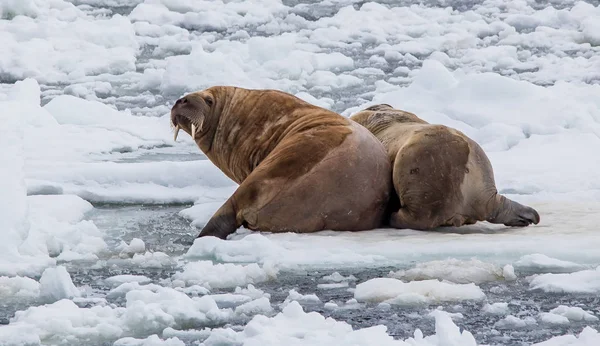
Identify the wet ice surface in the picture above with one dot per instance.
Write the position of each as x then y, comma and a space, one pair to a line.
116, 203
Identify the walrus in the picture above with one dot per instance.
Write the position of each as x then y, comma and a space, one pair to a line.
440, 176
300, 168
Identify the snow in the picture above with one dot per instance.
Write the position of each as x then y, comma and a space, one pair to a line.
584, 281
415, 292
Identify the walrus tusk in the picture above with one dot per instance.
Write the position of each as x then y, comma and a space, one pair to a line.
193, 130
176, 133
201, 123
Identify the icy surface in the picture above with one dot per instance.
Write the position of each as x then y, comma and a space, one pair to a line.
100, 208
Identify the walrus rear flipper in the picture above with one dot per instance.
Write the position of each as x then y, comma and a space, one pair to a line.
511, 213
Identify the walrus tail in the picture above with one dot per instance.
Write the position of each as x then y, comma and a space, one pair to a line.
511, 213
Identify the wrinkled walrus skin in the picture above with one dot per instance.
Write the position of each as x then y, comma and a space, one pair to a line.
441, 177
300, 168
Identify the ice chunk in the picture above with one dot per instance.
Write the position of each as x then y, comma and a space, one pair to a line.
295, 296
496, 309
454, 270
63, 319
551, 318
121, 279
332, 286
150, 259
222, 275
509, 272
588, 336
134, 247
259, 306
427, 291
13, 198
542, 263
314, 329
20, 287
152, 340
11, 8
513, 322
229, 300
56, 284
252, 292
585, 281
337, 277
574, 313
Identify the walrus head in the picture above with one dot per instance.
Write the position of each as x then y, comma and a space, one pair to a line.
190, 113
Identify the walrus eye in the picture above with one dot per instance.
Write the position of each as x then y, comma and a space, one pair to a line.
208, 100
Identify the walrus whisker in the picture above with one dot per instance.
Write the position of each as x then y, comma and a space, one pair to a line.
176, 132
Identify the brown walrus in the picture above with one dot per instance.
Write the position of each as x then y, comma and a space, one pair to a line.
300, 168
441, 177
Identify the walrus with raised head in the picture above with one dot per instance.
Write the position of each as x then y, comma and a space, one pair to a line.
441, 177
300, 168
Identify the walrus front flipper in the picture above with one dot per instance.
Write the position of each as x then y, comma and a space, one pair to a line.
222, 223
511, 213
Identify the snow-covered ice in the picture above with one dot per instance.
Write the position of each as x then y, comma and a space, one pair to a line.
85, 91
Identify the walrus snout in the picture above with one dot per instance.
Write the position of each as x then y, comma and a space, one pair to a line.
188, 114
